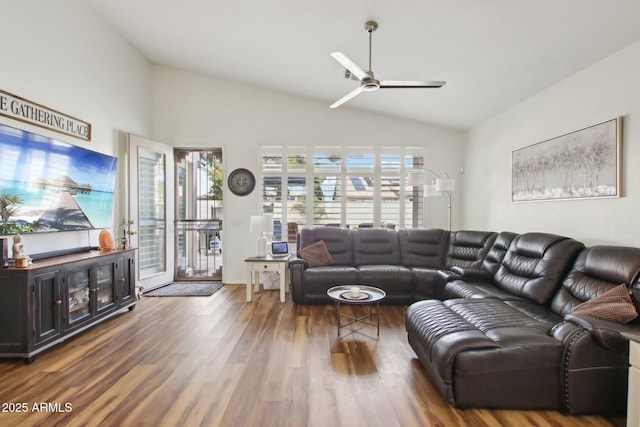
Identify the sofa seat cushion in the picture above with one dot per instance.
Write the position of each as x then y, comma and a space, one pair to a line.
488, 353
317, 280
395, 280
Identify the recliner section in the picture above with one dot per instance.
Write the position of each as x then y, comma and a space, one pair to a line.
531, 268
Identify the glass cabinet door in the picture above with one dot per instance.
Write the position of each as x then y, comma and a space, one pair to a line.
105, 296
79, 294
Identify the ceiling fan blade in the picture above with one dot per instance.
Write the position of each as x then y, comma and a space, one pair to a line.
347, 97
350, 65
405, 84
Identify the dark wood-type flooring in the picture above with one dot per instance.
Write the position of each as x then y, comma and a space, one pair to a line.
219, 361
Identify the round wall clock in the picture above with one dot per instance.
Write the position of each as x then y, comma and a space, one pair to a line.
241, 182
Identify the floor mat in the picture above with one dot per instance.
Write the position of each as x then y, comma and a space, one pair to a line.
185, 290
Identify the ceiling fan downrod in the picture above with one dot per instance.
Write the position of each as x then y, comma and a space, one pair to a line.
370, 26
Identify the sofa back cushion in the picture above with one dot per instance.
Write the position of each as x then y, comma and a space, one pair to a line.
498, 250
423, 247
468, 248
535, 264
597, 270
338, 241
376, 246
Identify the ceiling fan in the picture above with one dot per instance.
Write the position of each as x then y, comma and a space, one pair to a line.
367, 80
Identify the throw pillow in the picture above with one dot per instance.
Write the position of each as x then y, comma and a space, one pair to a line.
615, 305
316, 255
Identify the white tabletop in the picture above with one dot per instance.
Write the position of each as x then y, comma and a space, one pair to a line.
343, 294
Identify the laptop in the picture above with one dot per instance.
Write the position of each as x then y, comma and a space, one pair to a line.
279, 249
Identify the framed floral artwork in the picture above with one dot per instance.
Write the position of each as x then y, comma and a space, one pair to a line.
581, 164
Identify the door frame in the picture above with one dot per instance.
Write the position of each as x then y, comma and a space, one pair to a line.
135, 143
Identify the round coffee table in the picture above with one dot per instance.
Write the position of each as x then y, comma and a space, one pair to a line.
368, 295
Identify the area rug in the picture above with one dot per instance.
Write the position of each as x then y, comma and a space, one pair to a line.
185, 290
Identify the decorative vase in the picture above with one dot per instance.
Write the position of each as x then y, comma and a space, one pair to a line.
106, 241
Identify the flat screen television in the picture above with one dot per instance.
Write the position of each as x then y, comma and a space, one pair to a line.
55, 186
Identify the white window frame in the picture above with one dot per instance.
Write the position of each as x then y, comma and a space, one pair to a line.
377, 172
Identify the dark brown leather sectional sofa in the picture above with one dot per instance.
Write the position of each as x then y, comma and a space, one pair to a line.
490, 314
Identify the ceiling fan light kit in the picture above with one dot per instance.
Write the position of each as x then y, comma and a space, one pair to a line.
368, 82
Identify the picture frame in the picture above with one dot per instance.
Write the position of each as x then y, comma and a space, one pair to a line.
585, 163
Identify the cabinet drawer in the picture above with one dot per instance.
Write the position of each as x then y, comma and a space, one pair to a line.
267, 266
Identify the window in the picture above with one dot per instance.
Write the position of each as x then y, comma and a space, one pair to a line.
413, 196
297, 203
361, 188
272, 171
391, 201
327, 188
355, 187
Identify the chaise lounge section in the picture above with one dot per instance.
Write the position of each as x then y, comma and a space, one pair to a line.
513, 343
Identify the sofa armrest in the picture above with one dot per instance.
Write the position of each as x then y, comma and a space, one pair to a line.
297, 261
448, 275
475, 274
297, 266
607, 333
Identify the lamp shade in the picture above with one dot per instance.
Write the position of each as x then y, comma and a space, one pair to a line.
444, 184
430, 191
416, 178
261, 223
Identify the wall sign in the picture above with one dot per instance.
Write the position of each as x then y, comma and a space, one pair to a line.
18, 108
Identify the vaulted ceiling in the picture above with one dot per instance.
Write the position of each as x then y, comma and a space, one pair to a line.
492, 53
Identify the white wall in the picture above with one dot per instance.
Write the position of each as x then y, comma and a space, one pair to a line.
62, 55
602, 91
196, 111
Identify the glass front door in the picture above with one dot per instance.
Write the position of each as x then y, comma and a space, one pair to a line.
151, 211
199, 224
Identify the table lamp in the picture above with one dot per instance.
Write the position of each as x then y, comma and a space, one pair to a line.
262, 224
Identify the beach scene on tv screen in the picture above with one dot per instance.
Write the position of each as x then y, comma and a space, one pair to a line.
49, 185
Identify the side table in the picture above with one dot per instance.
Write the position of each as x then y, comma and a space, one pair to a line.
256, 265
368, 295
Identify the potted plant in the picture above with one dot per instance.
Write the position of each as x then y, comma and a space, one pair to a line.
9, 206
